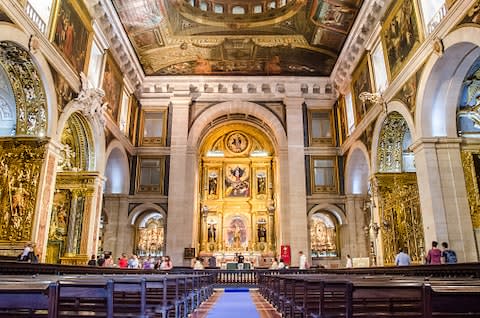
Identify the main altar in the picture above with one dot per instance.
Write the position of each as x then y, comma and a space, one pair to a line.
237, 206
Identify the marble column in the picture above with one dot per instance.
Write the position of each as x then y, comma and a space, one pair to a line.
294, 222
181, 199
443, 195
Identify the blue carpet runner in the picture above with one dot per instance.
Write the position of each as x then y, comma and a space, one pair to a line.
234, 303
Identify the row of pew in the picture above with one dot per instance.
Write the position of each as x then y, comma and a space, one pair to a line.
330, 295
103, 296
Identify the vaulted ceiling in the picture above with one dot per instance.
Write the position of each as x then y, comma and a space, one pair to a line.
237, 37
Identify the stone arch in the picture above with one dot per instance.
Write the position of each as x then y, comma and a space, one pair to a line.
94, 125
142, 208
234, 107
333, 209
393, 106
12, 34
441, 81
357, 169
117, 169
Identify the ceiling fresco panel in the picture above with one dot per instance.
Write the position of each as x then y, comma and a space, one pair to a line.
299, 37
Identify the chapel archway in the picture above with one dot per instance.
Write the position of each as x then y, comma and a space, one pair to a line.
395, 195
74, 189
237, 190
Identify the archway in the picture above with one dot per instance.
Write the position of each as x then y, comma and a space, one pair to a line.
116, 169
237, 189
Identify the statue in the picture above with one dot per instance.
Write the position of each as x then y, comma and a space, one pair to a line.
262, 233
212, 233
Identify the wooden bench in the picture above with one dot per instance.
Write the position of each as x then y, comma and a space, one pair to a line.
35, 299
452, 300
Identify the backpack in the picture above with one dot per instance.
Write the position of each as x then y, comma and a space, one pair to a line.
450, 257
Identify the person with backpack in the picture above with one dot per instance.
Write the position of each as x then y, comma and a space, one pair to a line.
449, 256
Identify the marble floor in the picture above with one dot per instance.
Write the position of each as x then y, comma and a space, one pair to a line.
265, 310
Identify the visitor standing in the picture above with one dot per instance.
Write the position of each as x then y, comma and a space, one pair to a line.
449, 256
402, 258
434, 255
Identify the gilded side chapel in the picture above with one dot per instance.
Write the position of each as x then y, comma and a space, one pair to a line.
216, 127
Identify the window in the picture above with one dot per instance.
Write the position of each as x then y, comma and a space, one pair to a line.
238, 10
320, 128
324, 174
257, 9
323, 235
124, 113
94, 66
150, 176
218, 8
433, 12
379, 69
203, 6
153, 132
350, 113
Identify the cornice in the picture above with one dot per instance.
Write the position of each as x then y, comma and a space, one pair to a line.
370, 14
119, 44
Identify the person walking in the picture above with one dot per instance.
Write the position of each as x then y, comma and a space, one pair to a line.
449, 256
349, 263
402, 258
434, 255
302, 261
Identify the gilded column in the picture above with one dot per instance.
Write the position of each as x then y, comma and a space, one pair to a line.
72, 236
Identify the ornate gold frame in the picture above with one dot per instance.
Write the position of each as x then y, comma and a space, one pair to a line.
365, 63
392, 71
153, 141
86, 20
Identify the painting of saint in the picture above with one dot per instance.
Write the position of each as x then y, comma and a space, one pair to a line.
62, 89
261, 183
112, 86
400, 35
236, 233
362, 83
70, 34
237, 181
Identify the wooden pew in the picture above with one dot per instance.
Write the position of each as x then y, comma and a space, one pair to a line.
452, 300
35, 299
85, 298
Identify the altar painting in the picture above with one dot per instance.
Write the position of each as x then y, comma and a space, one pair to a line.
236, 233
237, 180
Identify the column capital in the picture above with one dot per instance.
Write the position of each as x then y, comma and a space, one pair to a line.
434, 143
180, 100
293, 101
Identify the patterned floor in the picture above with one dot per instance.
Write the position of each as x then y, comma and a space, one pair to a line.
265, 310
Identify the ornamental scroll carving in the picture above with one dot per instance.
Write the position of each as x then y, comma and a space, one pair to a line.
90, 101
400, 216
20, 165
27, 88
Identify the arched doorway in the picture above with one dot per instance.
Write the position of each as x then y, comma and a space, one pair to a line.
395, 192
237, 172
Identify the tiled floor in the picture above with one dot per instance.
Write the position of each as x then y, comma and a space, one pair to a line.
265, 310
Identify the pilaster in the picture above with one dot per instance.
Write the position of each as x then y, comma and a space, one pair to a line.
296, 210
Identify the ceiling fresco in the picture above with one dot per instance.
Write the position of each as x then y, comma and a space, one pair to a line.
237, 37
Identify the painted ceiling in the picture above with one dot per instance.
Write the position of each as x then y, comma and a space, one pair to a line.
237, 37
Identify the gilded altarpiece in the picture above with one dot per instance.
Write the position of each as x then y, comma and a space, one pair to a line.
237, 209
21, 161
400, 216
471, 169
71, 215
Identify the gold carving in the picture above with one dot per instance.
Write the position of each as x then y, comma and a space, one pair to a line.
471, 183
237, 142
389, 155
20, 164
400, 216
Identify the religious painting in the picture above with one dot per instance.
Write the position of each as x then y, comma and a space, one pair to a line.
71, 33
408, 92
362, 82
335, 16
237, 181
236, 233
63, 90
261, 182
323, 235
212, 184
237, 142
468, 122
401, 35
133, 118
112, 86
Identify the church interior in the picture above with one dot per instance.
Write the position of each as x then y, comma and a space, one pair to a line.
213, 128
239, 158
